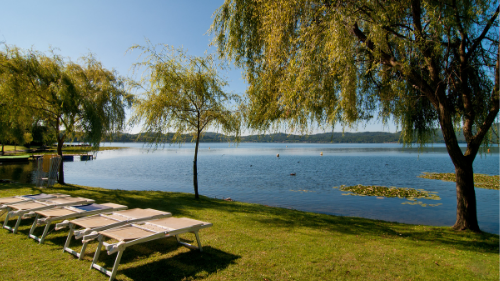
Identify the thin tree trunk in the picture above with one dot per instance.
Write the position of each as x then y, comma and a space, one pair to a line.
466, 199
60, 142
3, 151
195, 168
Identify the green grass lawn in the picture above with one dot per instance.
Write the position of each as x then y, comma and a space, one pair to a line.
255, 242
12, 147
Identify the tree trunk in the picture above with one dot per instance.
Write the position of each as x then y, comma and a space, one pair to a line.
60, 142
466, 198
3, 152
464, 174
195, 168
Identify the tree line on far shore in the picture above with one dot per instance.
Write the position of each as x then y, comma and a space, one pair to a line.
327, 137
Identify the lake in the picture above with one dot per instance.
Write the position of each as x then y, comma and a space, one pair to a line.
251, 172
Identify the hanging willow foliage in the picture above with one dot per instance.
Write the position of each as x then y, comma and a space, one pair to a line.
422, 64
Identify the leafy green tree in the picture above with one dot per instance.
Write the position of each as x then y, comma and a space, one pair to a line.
183, 94
68, 97
423, 63
15, 121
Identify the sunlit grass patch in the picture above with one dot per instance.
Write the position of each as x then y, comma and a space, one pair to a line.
480, 180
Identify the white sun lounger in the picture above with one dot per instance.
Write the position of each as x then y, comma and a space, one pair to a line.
27, 209
69, 212
101, 222
132, 234
4, 201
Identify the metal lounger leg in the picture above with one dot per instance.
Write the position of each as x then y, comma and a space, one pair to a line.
97, 251
82, 251
70, 235
32, 229
14, 230
6, 220
45, 231
189, 245
115, 266
198, 241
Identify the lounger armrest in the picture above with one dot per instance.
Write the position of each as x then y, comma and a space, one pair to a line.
113, 248
16, 213
62, 225
41, 221
29, 215
92, 236
81, 233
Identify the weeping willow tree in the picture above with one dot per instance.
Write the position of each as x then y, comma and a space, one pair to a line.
15, 121
423, 64
66, 97
182, 94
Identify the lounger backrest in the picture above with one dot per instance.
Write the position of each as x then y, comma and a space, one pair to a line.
176, 223
137, 213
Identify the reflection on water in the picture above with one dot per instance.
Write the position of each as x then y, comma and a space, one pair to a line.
251, 172
17, 172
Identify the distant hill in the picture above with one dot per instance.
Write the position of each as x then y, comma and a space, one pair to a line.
360, 137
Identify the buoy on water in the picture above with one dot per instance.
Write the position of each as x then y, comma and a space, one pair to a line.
278, 155
321, 154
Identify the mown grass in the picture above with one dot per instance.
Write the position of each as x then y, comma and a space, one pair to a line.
480, 180
255, 242
12, 148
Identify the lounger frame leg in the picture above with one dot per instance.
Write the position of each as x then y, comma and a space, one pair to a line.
115, 266
32, 229
6, 221
190, 246
18, 222
82, 251
198, 241
97, 253
70, 235
94, 264
45, 231
40, 239
66, 247
13, 229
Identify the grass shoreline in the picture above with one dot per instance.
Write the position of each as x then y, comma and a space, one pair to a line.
256, 242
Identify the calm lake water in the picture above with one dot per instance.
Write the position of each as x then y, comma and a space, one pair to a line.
251, 172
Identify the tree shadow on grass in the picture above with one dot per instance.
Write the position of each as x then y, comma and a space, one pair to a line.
137, 263
14, 186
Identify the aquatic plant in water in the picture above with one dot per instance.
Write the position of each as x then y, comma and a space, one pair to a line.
480, 180
410, 194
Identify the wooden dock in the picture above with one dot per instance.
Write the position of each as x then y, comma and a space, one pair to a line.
67, 157
14, 159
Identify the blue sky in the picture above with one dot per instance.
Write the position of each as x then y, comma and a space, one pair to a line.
108, 28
